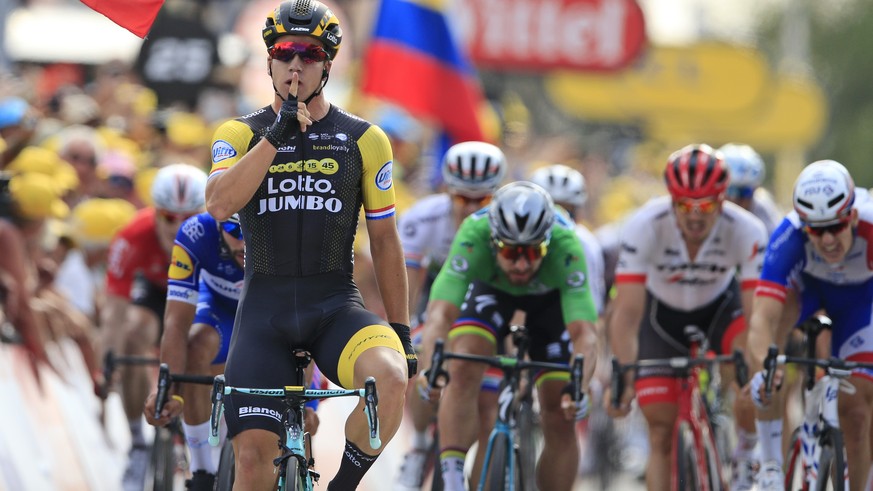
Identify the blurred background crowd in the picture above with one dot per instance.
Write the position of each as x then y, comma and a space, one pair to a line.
89, 111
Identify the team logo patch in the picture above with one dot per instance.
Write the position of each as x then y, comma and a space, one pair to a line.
576, 279
342, 137
180, 264
383, 177
222, 150
460, 264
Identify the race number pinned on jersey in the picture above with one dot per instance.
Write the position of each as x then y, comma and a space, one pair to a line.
384, 176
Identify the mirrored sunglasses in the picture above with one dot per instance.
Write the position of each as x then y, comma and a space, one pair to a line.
233, 229
513, 252
828, 229
309, 53
704, 206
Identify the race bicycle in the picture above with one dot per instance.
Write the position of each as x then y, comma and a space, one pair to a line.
510, 457
816, 455
696, 463
296, 464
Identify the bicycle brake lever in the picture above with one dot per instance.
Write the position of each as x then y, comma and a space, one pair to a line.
617, 383
740, 368
217, 408
770, 369
163, 388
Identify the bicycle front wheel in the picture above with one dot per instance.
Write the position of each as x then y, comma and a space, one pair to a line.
294, 479
687, 477
795, 476
497, 474
163, 460
831, 461
226, 471
530, 444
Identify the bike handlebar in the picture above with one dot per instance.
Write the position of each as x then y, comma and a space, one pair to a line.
368, 393
676, 363
833, 365
505, 363
165, 379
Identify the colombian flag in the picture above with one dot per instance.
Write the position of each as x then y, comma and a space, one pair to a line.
137, 16
414, 61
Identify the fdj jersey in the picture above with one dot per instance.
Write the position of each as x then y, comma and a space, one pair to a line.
306, 209
843, 289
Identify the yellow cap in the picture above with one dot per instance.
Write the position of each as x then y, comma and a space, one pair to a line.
187, 130
46, 162
37, 196
95, 221
142, 184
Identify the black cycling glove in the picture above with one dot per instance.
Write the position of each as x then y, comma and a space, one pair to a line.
286, 125
402, 331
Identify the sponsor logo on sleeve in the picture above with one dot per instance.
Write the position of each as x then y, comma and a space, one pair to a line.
383, 177
576, 279
460, 264
181, 266
222, 150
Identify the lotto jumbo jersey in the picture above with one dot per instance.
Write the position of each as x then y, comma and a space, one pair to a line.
302, 219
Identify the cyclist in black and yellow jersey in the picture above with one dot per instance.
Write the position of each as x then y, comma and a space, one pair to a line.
298, 171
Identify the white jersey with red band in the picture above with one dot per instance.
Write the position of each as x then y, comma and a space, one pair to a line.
427, 230
653, 252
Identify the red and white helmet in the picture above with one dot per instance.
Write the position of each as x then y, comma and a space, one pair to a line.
179, 188
696, 171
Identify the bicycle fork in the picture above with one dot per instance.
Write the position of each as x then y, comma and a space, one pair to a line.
816, 418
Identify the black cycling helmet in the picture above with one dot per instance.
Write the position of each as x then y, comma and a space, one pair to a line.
306, 17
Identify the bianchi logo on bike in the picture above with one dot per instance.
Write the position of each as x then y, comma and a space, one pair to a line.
247, 411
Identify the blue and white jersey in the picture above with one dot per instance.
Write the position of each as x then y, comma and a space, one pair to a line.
844, 290
198, 263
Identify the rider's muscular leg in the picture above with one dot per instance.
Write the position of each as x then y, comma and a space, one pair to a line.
661, 417
140, 338
203, 345
558, 464
855, 414
388, 367
254, 451
458, 410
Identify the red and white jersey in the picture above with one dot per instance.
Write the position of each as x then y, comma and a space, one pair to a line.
653, 252
427, 230
135, 250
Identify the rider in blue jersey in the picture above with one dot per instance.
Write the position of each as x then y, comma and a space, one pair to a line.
204, 283
821, 256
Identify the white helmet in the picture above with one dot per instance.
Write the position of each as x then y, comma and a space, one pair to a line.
746, 167
473, 168
179, 188
564, 184
521, 213
824, 192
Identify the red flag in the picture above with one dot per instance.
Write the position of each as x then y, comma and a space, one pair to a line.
137, 16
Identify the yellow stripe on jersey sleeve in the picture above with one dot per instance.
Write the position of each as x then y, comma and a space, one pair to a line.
376, 180
229, 144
